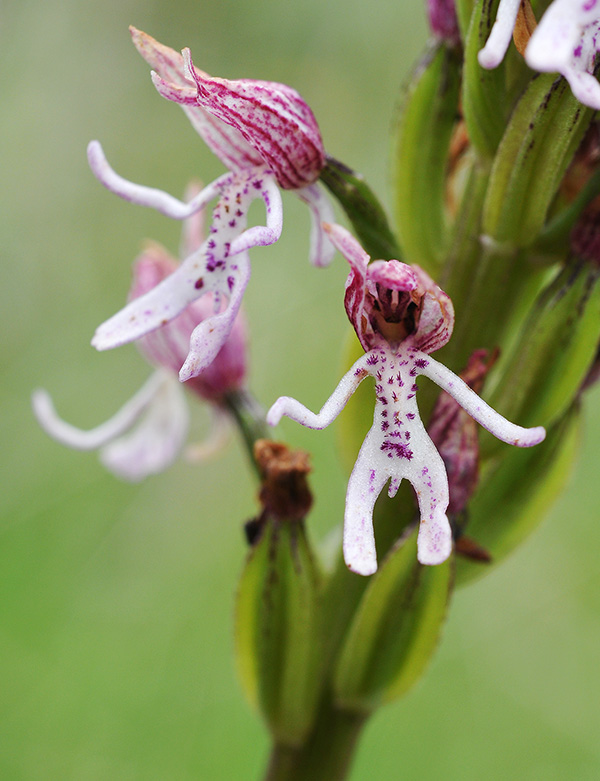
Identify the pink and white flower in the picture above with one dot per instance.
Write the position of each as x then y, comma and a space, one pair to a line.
400, 317
149, 432
267, 136
565, 41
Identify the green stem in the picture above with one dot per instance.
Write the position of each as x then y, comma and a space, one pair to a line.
363, 208
327, 754
250, 419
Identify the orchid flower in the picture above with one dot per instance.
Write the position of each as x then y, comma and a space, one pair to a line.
400, 316
565, 41
267, 136
149, 432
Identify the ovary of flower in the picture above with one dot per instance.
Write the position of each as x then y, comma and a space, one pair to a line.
220, 266
398, 446
565, 41
144, 437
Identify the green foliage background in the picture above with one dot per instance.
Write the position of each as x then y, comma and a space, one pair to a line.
116, 654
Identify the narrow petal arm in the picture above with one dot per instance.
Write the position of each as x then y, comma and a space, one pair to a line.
150, 196
498, 42
97, 437
321, 211
491, 420
330, 410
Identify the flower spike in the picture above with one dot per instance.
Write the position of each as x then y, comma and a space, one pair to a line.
400, 316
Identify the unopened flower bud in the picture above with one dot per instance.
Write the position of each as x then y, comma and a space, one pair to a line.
443, 20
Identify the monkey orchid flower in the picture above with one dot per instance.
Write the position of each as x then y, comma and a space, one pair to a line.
400, 316
148, 434
565, 41
268, 138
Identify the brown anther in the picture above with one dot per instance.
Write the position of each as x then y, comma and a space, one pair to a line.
524, 26
284, 493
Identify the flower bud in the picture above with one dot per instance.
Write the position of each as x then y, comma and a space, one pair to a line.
517, 491
277, 626
395, 630
443, 20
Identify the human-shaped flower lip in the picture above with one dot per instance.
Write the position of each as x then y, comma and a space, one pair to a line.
274, 121
565, 41
389, 301
398, 446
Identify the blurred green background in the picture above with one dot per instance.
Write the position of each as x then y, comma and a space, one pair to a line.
116, 601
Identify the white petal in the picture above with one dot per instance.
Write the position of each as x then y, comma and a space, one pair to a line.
74, 437
158, 439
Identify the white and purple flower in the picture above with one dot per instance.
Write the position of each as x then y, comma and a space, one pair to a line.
400, 317
267, 136
149, 432
565, 41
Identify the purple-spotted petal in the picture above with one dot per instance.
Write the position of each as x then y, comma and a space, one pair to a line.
219, 267
566, 41
169, 345
210, 335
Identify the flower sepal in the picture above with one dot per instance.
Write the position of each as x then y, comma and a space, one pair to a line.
395, 630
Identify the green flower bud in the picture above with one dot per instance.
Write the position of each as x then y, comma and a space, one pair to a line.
484, 99
395, 630
420, 156
516, 493
541, 376
277, 628
542, 136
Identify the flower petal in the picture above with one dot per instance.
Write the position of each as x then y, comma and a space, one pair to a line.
215, 268
157, 441
321, 211
487, 417
74, 437
150, 196
364, 486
